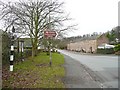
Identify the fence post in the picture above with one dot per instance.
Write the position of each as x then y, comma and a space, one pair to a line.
12, 49
22, 50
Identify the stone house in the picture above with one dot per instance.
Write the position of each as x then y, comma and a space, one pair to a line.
88, 44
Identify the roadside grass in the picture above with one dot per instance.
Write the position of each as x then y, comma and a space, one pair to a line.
36, 73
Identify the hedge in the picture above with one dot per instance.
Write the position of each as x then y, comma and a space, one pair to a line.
25, 47
27, 53
6, 41
5, 48
117, 48
106, 51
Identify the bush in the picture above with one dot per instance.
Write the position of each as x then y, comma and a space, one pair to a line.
106, 51
27, 53
6, 43
17, 56
25, 47
117, 48
41, 50
5, 48
28, 47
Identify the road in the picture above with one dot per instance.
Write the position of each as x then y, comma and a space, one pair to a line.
101, 68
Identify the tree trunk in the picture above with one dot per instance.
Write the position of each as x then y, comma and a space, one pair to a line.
34, 49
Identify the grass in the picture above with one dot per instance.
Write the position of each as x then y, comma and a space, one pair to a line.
37, 73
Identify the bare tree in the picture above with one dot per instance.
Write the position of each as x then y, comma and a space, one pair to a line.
34, 17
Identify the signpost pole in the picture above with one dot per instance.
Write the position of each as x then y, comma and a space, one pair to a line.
50, 35
50, 54
50, 39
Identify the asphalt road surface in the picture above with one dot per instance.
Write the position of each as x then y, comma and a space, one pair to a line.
90, 71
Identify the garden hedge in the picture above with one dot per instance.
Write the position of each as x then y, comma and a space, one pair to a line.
106, 51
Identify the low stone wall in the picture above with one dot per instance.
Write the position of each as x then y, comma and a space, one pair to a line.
86, 45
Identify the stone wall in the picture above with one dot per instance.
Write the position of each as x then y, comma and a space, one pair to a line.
86, 45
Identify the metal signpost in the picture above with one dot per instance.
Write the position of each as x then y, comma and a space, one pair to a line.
50, 35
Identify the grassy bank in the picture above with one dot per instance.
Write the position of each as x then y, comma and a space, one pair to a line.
36, 73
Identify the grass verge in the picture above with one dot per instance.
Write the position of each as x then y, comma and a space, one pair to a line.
36, 73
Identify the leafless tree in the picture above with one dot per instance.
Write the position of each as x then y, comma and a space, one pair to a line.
34, 17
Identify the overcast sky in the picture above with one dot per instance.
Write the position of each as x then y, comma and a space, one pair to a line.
91, 15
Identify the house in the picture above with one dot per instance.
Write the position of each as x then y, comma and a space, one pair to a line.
27, 43
88, 44
104, 46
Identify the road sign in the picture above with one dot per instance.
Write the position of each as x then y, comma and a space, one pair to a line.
48, 34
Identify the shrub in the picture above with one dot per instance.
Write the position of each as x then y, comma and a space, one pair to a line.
6, 41
18, 57
27, 53
28, 47
117, 48
5, 48
106, 51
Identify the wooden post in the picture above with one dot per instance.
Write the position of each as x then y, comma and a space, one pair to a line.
12, 50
